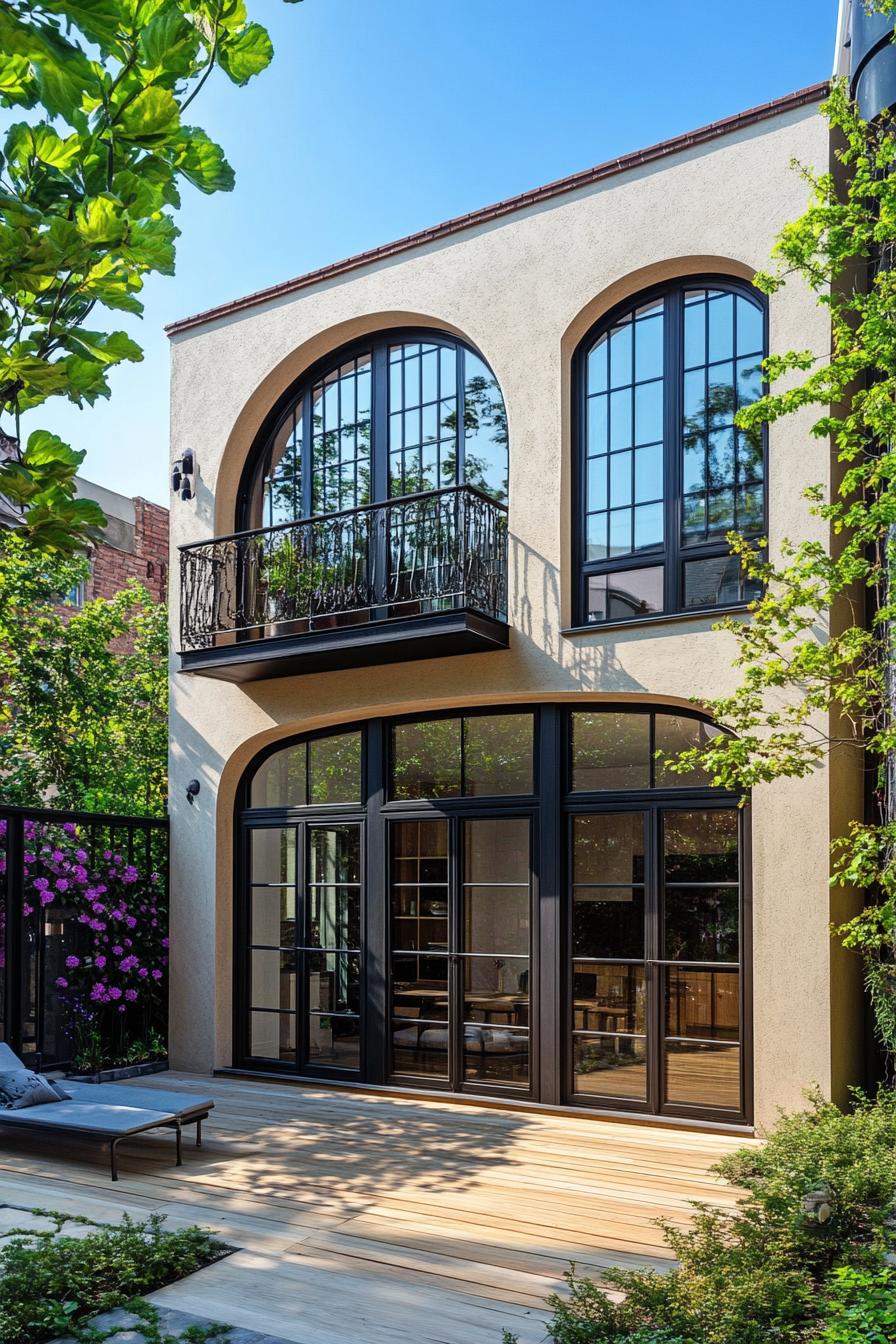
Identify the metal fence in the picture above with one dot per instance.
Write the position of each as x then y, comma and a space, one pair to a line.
45, 921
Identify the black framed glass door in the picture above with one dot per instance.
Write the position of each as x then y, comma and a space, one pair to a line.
305, 944
460, 936
523, 902
655, 947
699, 963
608, 943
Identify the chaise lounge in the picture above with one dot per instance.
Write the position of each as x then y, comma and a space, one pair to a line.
106, 1111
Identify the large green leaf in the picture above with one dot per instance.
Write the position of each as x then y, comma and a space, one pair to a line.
246, 54
101, 220
99, 20
202, 162
63, 73
32, 372
50, 453
169, 41
25, 143
16, 82
150, 245
150, 118
86, 380
107, 347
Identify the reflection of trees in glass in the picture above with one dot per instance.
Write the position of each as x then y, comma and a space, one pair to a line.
421, 443
426, 759
701, 846
340, 477
610, 750
497, 757
280, 780
326, 770
718, 459
609, 849
334, 769
285, 484
702, 924
485, 431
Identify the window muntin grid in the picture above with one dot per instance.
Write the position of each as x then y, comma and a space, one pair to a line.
382, 422
422, 417
655, 511
340, 441
624, 437
722, 467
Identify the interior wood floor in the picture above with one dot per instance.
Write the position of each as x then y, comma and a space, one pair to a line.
374, 1219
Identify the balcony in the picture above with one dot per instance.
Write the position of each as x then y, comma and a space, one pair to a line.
424, 576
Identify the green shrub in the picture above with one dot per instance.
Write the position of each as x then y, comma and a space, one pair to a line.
860, 1307
853, 1153
760, 1274
49, 1283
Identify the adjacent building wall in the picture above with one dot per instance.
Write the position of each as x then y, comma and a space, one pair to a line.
523, 288
134, 544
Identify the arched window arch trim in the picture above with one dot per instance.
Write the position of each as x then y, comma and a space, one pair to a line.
378, 757
296, 399
660, 585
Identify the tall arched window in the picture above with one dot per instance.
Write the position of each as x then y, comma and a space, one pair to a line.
393, 415
664, 473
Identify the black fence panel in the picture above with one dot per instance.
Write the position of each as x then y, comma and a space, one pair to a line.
83, 933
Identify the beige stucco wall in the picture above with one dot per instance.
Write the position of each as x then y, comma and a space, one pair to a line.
523, 290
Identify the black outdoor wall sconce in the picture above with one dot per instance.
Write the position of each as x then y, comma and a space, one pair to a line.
192, 790
182, 475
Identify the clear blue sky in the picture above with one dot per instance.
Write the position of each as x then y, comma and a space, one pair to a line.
380, 117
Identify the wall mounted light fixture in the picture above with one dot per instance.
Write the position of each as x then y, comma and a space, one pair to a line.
192, 791
182, 473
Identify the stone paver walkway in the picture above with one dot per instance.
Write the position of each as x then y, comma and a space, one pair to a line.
125, 1327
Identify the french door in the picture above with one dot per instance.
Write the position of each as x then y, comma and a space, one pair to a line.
305, 920
655, 948
460, 914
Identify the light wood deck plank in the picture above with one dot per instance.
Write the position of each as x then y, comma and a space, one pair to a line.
372, 1218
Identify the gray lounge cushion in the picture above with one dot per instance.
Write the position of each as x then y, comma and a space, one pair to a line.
58, 1089
7, 1059
93, 1119
182, 1104
20, 1088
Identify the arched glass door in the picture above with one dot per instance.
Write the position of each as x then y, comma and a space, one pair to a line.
525, 901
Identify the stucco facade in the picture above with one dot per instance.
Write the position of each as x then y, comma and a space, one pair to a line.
524, 288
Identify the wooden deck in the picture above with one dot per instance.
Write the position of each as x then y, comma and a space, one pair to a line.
375, 1219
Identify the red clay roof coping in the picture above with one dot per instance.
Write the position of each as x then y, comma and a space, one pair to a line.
790, 101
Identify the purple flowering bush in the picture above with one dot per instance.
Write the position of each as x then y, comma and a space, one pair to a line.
110, 941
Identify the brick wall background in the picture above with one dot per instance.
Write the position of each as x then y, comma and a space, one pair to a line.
111, 567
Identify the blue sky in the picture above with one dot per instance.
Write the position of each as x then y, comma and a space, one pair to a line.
380, 117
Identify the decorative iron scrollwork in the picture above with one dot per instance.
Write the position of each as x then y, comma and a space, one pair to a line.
442, 550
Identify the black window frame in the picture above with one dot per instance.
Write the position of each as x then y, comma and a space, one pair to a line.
550, 809
299, 393
672, 555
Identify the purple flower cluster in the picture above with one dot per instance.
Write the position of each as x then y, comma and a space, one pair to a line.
123, 959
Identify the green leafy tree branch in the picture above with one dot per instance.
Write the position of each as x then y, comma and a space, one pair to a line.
90, 181
816, 657
83, 693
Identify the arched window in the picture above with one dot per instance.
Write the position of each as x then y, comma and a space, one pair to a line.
394, 415
445, 900
663, 472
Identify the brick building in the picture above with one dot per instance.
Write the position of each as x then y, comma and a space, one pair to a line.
135, 545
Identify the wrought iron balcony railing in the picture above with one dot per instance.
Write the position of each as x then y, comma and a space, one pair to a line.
445, 550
